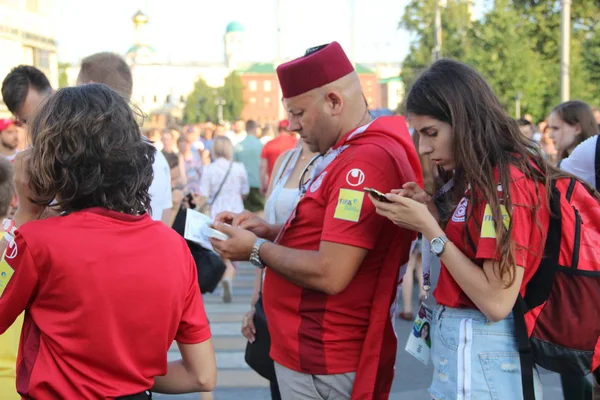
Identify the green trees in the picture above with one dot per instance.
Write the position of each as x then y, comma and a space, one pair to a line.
202, 103
515, 45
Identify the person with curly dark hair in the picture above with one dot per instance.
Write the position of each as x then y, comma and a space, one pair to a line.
105, 288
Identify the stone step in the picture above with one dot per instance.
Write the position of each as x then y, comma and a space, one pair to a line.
242, 299
233, 359
222, 343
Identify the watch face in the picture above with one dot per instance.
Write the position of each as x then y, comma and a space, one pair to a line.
437, 246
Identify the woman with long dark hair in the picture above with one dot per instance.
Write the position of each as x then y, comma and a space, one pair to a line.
489, 229
571, 123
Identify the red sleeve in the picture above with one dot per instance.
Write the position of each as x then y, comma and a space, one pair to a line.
350, 216
193, 327
523, 195
264, 151
21, 286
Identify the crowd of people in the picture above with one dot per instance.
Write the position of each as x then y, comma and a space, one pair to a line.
95, 286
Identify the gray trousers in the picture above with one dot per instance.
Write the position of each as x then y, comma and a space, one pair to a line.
298, 386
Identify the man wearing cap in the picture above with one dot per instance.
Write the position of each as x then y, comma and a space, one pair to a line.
9, 138
333, 268
285, 140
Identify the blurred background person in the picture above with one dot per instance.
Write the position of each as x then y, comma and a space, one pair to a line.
9, 138
223, 185
569, 124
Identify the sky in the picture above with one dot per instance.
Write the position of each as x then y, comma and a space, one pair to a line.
192, 30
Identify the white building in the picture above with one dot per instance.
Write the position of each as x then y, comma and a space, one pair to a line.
164, 86
26, 37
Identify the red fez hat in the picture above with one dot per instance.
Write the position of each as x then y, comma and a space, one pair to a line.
320, 66
5, 123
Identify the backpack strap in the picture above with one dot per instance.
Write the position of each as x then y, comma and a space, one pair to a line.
525, 351
597, 163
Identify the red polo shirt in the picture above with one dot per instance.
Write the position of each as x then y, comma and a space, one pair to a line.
275, 147
105, 295
528, 237
312, 332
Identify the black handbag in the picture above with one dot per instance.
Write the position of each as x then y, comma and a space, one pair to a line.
209, 265
257, 353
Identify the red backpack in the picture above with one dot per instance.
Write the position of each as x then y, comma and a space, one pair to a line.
557, 323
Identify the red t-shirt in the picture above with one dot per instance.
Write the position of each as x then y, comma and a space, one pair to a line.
105, 295
529, 238
275, 147
312, 332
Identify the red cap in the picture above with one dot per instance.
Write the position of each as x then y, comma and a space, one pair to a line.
319, 67
284, 124
5, 123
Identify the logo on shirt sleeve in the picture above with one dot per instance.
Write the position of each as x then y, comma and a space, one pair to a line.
461, 211
355, 177
349, 205
12, 250
317, 184
488, 230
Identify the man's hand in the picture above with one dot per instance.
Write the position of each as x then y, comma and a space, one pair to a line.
249, 221
27, 210
239, 245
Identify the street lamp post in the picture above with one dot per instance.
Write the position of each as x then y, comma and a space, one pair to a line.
437, 47
565, 44
220, 102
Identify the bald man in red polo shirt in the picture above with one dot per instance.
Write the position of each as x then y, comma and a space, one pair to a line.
333, 268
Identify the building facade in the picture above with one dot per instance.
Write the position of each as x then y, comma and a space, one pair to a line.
26, 37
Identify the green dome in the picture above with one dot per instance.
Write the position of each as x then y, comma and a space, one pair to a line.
234, 26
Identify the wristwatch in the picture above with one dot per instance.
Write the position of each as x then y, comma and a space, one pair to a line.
254, 255
438, 244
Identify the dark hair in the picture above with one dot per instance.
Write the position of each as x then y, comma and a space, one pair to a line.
524, 122
17, 83
172, 159
573, 113
251, 126
108, 68
485, 139
7, 187
88, 151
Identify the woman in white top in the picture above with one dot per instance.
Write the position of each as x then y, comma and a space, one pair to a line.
282, 195
224, 184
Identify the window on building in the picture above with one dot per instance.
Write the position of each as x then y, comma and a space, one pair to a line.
267, 102
370, 101
252, 86
41, 58
155, 99
252, 100
168, 99
267, 86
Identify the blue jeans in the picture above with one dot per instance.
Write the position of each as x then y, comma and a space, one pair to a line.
474, 358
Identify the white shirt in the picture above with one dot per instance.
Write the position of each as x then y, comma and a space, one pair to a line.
160, 189
582, 161
236, 138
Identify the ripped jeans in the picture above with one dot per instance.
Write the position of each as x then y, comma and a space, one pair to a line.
474, 358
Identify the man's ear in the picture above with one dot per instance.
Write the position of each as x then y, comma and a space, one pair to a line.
334, 102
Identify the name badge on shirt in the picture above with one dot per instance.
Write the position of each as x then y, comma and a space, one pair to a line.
419, 339
6, 272
349, 205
